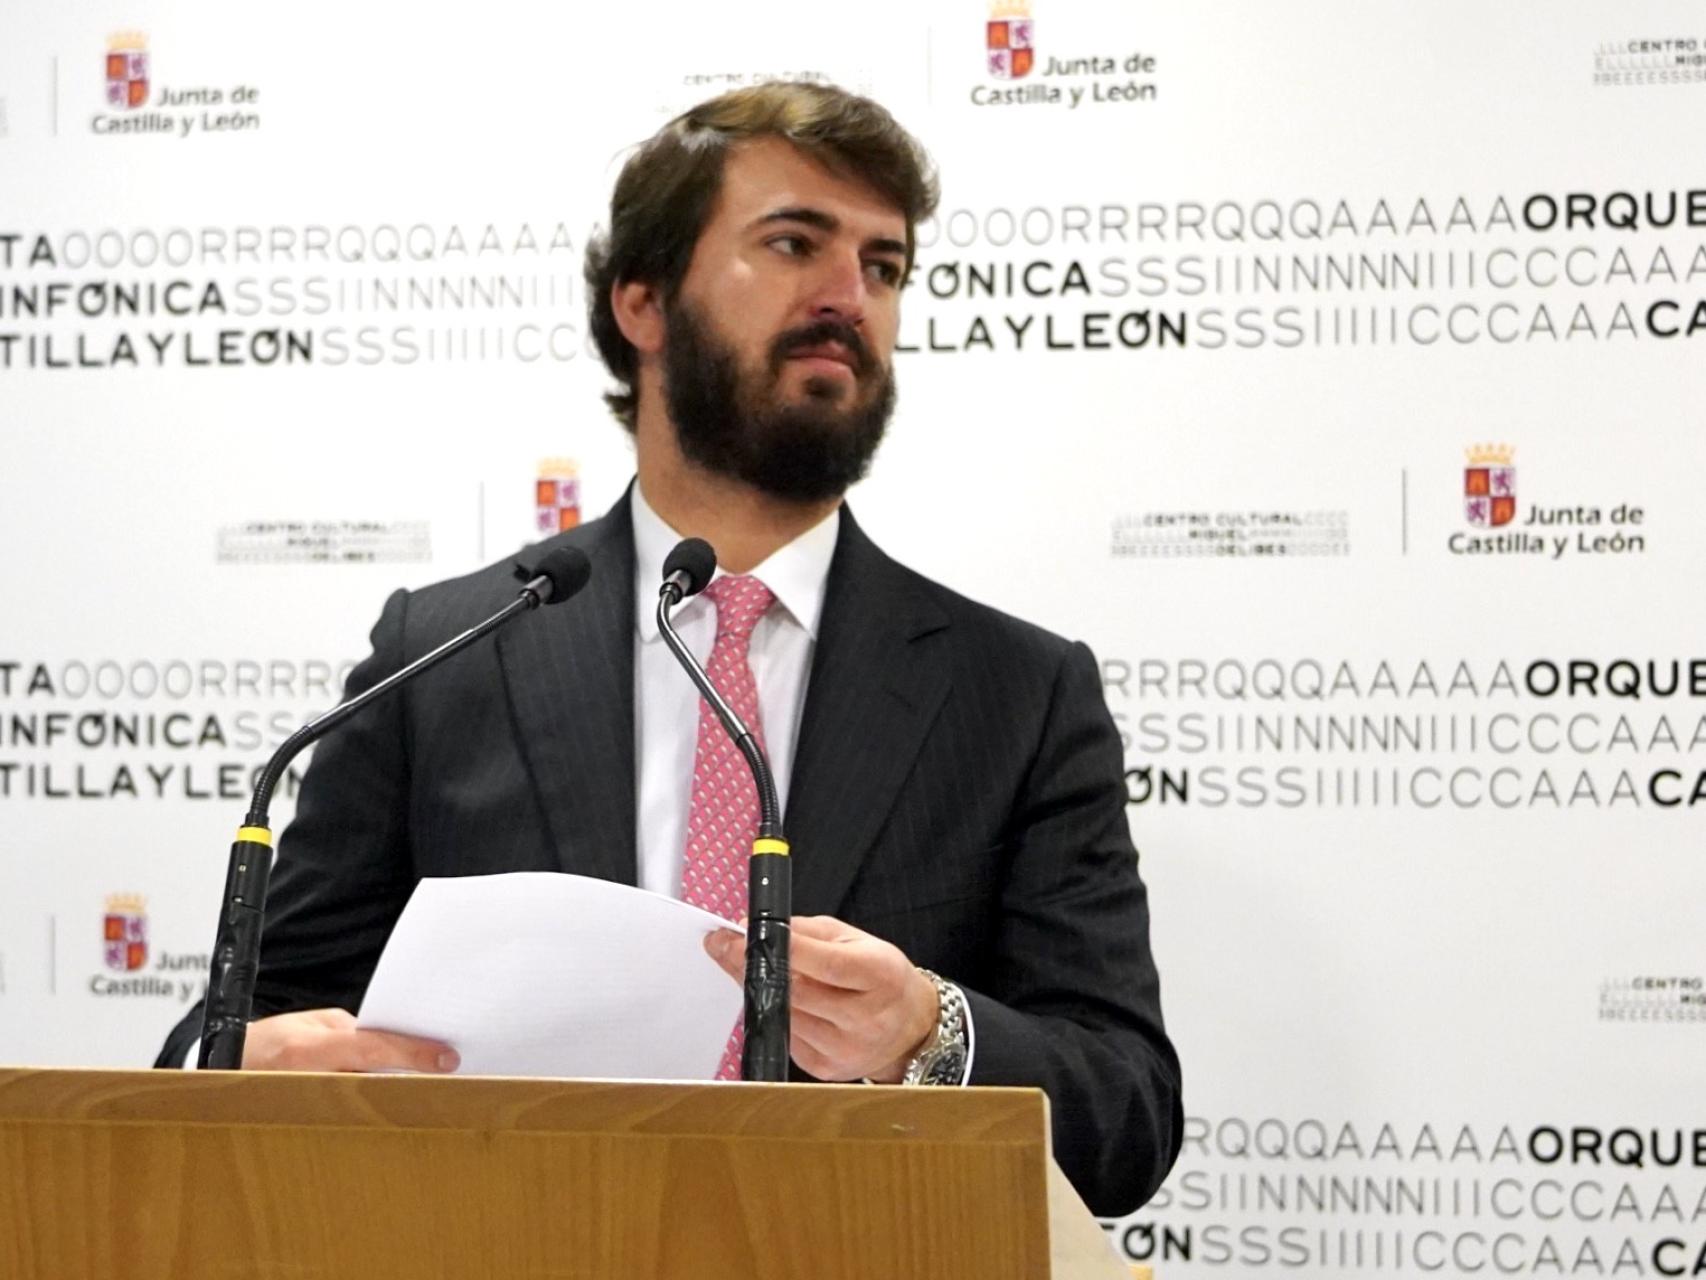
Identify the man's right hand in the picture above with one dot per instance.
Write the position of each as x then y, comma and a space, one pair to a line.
329, 1040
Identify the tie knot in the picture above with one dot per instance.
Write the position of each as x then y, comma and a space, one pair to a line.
741, 601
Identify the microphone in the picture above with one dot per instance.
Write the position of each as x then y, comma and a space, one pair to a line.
688, 569
770, 886
237, 945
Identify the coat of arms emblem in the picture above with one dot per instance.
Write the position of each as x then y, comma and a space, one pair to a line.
125, 932
1011, 39
1489, 486
127, 70
557, 495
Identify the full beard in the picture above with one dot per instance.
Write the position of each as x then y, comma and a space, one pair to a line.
733, 424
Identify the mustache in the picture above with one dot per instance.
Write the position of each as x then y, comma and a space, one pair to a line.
816, 335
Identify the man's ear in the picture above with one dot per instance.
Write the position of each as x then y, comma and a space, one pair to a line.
639, 314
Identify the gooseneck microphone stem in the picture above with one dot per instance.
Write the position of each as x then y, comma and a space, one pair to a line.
769, 808
317, 728
237, 945
770, 888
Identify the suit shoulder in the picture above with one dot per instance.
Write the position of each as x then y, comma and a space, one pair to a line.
986, 626
453, 604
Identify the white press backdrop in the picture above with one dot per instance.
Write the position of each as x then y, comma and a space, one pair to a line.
1223, 305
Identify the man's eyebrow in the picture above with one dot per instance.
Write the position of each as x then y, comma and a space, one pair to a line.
828, 223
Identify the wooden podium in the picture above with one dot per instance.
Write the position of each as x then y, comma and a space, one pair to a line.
141, 1174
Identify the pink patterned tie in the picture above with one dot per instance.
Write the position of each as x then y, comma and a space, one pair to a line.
723, 819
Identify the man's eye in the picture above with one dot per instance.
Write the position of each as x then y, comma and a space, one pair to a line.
793, 246
886, 272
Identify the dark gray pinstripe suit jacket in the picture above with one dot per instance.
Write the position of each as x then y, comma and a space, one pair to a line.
956, 789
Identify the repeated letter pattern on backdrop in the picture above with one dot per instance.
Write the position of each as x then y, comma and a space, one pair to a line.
1335, 371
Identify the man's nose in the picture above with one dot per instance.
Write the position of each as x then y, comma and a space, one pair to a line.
839, 289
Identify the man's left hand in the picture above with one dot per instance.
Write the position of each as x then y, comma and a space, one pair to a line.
860, 1008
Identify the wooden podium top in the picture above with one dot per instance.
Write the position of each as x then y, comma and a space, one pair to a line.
145, 1174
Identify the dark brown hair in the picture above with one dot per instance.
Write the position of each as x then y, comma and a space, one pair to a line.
666, 191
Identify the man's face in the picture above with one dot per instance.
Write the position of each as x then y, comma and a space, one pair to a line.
778, 344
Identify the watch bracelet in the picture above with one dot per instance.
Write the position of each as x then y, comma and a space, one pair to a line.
947, 1041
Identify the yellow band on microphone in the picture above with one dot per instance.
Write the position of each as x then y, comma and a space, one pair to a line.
254, 835
767, 844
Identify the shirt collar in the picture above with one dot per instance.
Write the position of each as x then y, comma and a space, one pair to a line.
796, 573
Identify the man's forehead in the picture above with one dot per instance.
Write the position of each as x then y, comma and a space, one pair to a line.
764, 176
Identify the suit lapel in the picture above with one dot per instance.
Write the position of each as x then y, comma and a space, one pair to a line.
569, 675
877, 684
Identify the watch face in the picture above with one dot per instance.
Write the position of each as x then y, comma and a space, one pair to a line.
950, 1068
942, 1063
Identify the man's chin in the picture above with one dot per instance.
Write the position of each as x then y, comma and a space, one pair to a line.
825, 391
842, 393
825, 418
818, 382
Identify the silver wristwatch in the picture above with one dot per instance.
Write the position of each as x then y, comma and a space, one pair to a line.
942, 1059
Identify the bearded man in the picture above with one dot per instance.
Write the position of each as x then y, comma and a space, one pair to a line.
970, 910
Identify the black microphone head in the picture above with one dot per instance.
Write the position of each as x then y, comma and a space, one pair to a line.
694, 560
565, 570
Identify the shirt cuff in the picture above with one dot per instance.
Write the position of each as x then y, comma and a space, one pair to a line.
971, 1034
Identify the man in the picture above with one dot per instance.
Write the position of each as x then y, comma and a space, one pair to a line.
951, 775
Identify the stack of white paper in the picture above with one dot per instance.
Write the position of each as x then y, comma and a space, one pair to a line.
535, 973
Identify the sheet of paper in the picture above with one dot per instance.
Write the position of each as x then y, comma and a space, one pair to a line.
536, 973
